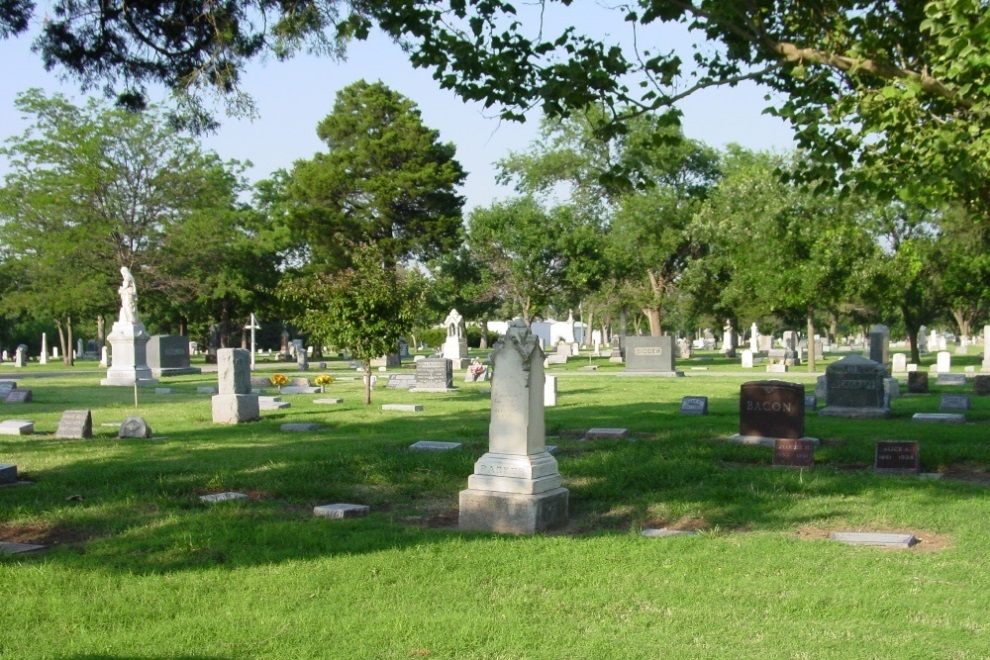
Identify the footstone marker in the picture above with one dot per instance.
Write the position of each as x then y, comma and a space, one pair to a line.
235, 404
433, 445
77, 424
771, 409
950, 379
222, 497
653, 355
272, 403
898, 456
873, 538
605, 434
341, 511
327, 401
794, 453
403, 407
10, 548
939, 418
917, 382
299, 427
19, 396
856, 389
694, 405
954, 402
134, 427
516, 486
16, 427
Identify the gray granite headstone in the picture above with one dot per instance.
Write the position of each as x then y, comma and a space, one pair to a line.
222, 497
873, 538
8, 474
954, 402
435, 374
168, 355
340, 511
6, 386
134, 427
856, 389
75, 424
650, 355
605, 434
401, 381
19, 396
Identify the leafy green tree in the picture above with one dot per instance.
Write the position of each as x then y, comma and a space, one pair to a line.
460, 280
364, 308
385, 180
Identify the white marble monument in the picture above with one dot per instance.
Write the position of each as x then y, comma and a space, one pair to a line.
516, 487
129, 341
455, 347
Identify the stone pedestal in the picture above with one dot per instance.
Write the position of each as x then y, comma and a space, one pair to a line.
129, 342
235, 408
509, 513
235, 404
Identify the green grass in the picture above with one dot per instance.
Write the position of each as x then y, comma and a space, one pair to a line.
139, 568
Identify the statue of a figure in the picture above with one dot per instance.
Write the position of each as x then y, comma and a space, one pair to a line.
128, 297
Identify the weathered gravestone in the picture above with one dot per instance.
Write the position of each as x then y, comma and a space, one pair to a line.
770, 409
235, 403
880, 345
401, 381
898, 456
794, 453
694, 405
653, 355
899, 362
134, 427
19, 396
8, 474
168, 355
5, 388
747, 359
810, 402
950, 379
20, 356
516, 487
75, 424
954, 403
434, 375
917, 382
981, 385
856, 389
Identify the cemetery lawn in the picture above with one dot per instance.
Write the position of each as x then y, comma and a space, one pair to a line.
138, 567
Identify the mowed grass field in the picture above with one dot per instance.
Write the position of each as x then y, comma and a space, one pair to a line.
138, 567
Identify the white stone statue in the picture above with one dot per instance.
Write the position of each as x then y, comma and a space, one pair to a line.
128, 297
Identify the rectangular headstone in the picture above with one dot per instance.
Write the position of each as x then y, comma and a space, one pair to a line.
435, 374
855, 382
950, 379
400, 381
917, 382
6, 386
341, 511
650, 354
234, 371
550, 391
168, 355
403, 407
899, 361
794, 453
898, 456
810, 402
75, 424
954, 402
432, 445
943, 362
939, 418
694, 405
19, 396
8, 474
873, 538
771, 409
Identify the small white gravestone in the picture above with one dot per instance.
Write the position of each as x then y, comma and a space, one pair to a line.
944, 362
235, 403
20, 356
16, 427
899, 363
104, 357
516, 486
747, 359
43, 355
550, 391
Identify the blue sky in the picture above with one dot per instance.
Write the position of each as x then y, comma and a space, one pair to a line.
292, 97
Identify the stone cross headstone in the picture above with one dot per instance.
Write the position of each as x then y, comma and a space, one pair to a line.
944, 362
75, 424
855, 389
516, 486
235, 403
771, 409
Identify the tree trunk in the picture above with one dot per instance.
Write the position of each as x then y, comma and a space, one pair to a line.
912, 326
483, 343
653, 316
62, 342
811, 339
101, 330
367, 382
70, 359
962, 321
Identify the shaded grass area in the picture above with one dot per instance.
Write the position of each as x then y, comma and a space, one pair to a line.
140, 568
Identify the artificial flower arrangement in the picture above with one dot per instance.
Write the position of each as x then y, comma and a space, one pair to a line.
323, 380
278, 380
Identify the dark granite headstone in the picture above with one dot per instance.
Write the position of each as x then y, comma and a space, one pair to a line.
18, 396
168, 355
855, 382
981, 385
917, 382
794, 453
75, 424
435, 374
650, 354
898, 456
810, 402
694, 405
771, 409
8, 474
954, 403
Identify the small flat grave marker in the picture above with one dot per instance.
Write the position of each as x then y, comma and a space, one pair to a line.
222, 497
16, 427
810, 402
9, 548
328, 401
939, 418
18, 396
75, 424
950, 379
299, 427
663, 533
340, 511
207, 390
951, 402
403, 407
8, 474
272, 403
605, 434
877, 539
590, 367
432, 445
694, 405
163, 390
794, 453
898, 456
297, 389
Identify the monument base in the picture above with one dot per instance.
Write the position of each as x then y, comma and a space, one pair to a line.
235, 408
176, 371
762, 441
671, 374
129, 378
855, 413
511, 513
433, 389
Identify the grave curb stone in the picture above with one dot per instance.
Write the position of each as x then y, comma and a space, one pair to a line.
939, 418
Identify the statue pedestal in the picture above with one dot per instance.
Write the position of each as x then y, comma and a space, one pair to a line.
128, 354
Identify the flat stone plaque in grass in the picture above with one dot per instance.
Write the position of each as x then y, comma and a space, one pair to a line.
403, 407
75, 424
9, 548
663, 533
694, 405
939, 418
898, 456
222, 497
339, 511
16, 427
432, 445
208, 390
327, 401
163, 390
606, 434
299, 427
298, 389
953, 402
873, 538
19, 396
798, 453
272, 403
951, 379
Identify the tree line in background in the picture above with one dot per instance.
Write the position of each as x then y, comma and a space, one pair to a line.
366, 240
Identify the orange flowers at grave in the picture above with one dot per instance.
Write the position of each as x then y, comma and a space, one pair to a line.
278, 380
